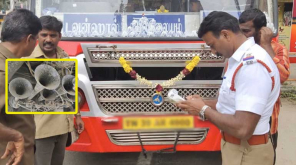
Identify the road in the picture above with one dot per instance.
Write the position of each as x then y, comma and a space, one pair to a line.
179, 158
285, 152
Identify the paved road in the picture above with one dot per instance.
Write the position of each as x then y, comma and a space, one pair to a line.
179, 158
285, 152
286, 149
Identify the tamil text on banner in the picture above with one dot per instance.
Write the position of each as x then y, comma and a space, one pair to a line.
92, 25
155, 25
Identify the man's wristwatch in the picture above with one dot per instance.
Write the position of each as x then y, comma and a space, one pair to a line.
202, 112
78, 114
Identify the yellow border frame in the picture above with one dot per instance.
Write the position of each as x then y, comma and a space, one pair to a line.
27, 59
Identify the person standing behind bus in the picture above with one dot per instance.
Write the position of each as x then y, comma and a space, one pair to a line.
253, 24
19, 36
52, 131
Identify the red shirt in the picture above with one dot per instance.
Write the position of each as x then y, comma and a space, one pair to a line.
282, 62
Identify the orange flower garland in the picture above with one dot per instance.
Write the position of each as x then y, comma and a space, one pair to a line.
159, 87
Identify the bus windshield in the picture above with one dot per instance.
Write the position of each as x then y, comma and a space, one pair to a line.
142, 19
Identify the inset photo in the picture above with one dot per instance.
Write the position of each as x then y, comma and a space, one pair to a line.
41, 86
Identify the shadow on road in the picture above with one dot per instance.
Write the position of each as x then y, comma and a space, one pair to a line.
179, 158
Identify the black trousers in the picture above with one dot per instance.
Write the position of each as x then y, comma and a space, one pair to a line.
275, 138
51, 150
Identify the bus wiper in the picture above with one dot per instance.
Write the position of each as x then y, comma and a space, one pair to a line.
237, 5
143, 2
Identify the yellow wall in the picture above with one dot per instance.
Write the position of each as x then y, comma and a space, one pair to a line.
284, 31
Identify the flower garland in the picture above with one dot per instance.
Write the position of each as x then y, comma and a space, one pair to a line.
159, 87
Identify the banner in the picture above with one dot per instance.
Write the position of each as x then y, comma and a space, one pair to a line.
285, 20
92, 25
293, 30
155, 25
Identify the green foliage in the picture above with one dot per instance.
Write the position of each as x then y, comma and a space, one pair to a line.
4, 4
290, 93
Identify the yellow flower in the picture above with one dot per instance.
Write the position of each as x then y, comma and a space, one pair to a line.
190, 66
127, 68
122, 60
196, 59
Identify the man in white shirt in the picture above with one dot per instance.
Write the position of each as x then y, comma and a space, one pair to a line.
250, 88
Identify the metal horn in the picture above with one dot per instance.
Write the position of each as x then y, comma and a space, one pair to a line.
48, 95
20, 88
71, 97
67, 85
73, 82
47, 77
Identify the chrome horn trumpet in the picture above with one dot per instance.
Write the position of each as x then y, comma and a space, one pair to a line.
47, 77
20, 88
48, 95
67, 86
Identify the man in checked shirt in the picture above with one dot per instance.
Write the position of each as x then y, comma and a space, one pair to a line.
253, 24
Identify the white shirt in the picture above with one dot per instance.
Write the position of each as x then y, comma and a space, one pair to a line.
253, 86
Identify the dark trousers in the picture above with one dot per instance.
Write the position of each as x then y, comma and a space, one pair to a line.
51, 150
275, 138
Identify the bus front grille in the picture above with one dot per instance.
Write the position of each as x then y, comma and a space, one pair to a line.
161, 137
135, 101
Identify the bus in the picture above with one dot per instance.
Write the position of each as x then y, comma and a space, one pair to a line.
156, 38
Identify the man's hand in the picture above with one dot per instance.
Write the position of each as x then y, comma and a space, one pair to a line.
15, 149
192, 105
79, 124
266, 36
